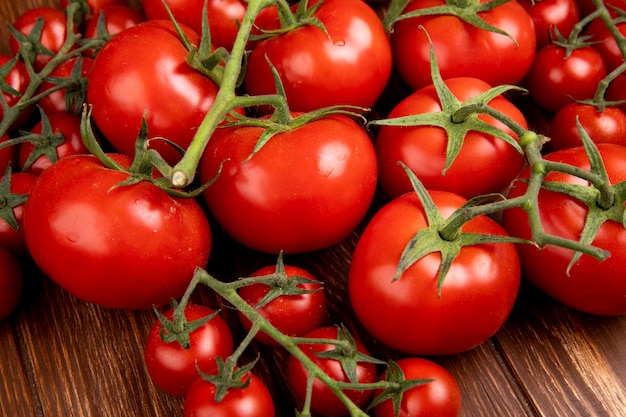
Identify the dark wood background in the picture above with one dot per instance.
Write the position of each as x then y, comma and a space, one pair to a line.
62, 357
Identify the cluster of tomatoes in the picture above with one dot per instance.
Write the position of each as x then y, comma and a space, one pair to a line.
266, 132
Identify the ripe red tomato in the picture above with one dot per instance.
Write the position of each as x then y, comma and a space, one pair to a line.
11, 283
116, 17
323, 400
604, 42
617, 91
550, 16
591, 286
489, 161
172, 367
293, 315
555, 79
408, 314
65, 124
223, 16
130, 247
348, 66
438, 398
306, 189
173, 96
11, 206
252, 401
18, 79
607, 126
462, 49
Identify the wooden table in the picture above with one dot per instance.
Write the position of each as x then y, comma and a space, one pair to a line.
62, 357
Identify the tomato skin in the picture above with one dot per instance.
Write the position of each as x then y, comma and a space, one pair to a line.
7, 154
438, 398
324, 401
592, 286
19, 79
11, 239
349, 66
11, 283
252, 401
306, 189
490, 162
130, 61
617, 91
130, 247
555, 80
551, 15
407, 315
607, 126
463, 50
293, 315
117, 18
173, 368
604, 42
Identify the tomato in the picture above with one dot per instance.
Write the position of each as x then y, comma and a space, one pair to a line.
11, 283
12, 208
130, 247
550, 16
489, 161
53, 35
306, 189
95, 5
293, 315
116, 17
439, 398
172, 367
606, 126
323, 400
408, 314
7, 154
348, 66
71, 143
587, 6
252, 401
223, 16
591, 286
18, 79
462, 49
556, 79
617, 91
57, 101
604, 42
173, 96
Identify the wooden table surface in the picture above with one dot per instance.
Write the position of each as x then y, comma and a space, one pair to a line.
61, 357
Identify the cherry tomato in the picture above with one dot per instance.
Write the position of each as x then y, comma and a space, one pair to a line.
172, 95
617, 91
556, 79
350, 65
21, 184
116, 18
130, 247
293, 315
306, 189
607, 126
489, 161
11, 283
439, 398
464, 50
174, 368
324, 401
65, 124
252, 401
550, 16
410, 314
18, 79
604, 42
590, 286
223, 16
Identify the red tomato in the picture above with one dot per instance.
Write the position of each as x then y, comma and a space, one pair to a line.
306, 189
348, 66
408, 314
11, 283
96, 5
57, 101
556, 79
173, 96
64, 124
324, 401
617, 91
172, 367
489, 161
18, 79
462, 49
550, 16
607, 126
7, 154
223, 16
293, 315
604, 42
53, 35
117, 18
591, 286
10, 238
128, 247
438, 398
252, 401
